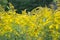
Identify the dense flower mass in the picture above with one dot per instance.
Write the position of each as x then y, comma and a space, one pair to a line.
42, 24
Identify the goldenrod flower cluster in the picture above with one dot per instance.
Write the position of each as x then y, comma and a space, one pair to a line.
43, 25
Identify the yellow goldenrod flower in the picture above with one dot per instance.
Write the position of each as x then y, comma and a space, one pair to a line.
41, 24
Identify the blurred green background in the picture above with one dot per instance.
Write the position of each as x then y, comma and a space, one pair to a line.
25, 4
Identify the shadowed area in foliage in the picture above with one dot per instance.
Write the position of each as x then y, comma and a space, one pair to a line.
29, 4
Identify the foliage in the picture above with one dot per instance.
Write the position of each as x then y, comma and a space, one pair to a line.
41, 24
5, 4
24, 4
